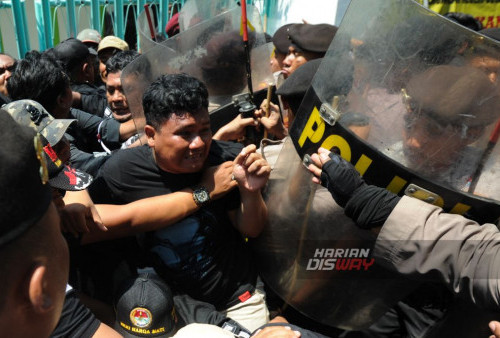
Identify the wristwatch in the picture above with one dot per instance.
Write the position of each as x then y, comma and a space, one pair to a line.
201, 196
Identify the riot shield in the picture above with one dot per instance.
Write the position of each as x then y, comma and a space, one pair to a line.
145, 42
211, 51
395, 71
196, 11
431, 103
314, 257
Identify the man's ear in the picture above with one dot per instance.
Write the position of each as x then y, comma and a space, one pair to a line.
40, 300
60, 101
150, 132
86, 69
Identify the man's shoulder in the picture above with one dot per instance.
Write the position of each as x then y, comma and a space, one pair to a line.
126, 176
123, 158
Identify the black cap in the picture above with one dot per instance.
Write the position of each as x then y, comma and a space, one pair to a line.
145, 308
24, 195
280, 39
71, 52
312, 38
61, 175
300, 80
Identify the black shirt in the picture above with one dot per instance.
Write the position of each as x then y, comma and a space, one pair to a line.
93, 99
76, 320
202, 255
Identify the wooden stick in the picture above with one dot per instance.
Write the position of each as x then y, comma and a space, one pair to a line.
268, 105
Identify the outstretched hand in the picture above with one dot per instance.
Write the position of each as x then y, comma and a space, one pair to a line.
335, 174
250, 170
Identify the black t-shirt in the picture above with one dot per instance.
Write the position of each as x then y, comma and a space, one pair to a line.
93, 99
202, 255
76, 319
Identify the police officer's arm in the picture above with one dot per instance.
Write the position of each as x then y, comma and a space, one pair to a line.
369, 206
251, 172
418, 238
160, 211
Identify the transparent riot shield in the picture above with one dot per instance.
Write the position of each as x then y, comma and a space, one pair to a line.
430, 94
211, 51
196, 11
145, 42
314, 257
395, 76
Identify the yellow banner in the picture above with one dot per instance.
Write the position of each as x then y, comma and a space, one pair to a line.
486, 11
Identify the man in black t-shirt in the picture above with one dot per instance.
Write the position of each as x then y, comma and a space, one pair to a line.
204, 253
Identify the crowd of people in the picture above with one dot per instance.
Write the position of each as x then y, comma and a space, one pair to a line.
108, 230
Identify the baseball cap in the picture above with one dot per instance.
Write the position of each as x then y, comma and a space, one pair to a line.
32, 114
89, 35
25, 196
312, 38
71, 52
61, 175
145, 307
112, 41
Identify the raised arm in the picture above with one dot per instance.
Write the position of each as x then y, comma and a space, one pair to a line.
251, 172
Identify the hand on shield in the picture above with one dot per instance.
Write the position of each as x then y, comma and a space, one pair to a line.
369, 206
335, 174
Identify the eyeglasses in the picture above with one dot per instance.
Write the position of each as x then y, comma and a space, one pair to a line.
8, 68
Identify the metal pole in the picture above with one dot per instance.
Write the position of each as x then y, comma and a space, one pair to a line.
119, 31
40, 25
94, 15
163, 19
42, 10
26, 31
140, 6
19, 27
70, 10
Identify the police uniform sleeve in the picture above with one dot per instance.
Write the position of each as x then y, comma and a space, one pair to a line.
419, 239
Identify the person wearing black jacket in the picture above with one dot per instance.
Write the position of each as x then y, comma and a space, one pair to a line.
77, 61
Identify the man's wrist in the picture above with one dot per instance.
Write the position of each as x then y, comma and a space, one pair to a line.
201, 196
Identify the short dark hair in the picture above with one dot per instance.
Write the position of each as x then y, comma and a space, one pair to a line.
38, 77
120, 60
173, 94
